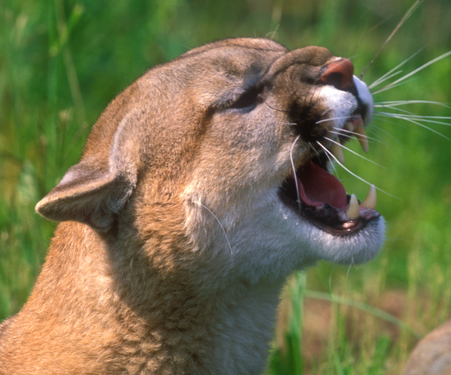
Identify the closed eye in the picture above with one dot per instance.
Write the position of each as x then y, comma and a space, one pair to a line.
249, 99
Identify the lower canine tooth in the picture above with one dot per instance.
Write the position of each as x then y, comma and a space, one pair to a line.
337, 151
371, 199
360, 134
353, 211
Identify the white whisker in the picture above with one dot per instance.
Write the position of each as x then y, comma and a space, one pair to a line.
398, 103
294, 171
392, 87
389, 74
414, 72
430, 119
332, 119
332, 165
330, 109
403, 112
352, 173
331, 162
351, 135
408, 114
412, 120
348, 133
341, 134
384, 78
330, 281
349, 267
220, 224
355, 153
403, 20
314, 149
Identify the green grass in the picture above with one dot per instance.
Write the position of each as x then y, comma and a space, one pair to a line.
62, 61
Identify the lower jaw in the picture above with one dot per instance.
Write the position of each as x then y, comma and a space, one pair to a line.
330, 219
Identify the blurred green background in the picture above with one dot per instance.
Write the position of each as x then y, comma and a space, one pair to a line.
63, 61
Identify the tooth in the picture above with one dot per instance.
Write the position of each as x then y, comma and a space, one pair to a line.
360, 134
353, 211
349, 126
371, 199
337, 151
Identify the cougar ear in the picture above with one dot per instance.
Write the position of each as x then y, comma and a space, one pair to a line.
94, 190
87, 195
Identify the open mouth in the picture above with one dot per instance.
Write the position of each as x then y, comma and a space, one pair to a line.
320, 197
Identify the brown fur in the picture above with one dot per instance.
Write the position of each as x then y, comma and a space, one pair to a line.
151, 270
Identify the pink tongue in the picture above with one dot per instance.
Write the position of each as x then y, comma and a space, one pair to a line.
317, 186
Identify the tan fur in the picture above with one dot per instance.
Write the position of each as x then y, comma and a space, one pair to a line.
174, 245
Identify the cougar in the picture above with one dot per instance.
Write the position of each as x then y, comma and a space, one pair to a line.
202, 186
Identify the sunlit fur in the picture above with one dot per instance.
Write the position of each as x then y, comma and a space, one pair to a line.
174, 243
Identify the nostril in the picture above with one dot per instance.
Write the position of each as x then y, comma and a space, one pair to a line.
339, 74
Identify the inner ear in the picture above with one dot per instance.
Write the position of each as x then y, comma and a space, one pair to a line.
88, 194
96, 189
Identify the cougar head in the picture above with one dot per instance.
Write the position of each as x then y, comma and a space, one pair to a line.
228, 145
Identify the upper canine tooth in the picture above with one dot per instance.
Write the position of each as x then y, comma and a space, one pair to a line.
360, 134
337, 151
348, 126
371, 199
353, 211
